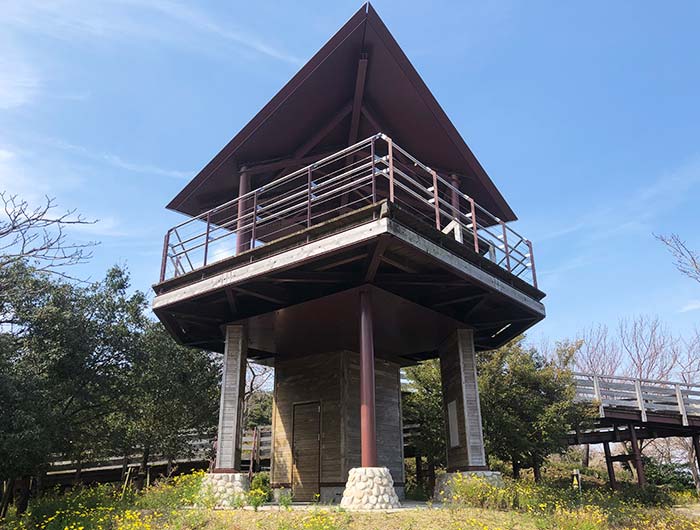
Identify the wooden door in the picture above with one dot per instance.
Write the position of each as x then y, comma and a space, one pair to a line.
306, 451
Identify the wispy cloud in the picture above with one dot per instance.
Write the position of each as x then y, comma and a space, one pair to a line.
19, 81
166, 21
635, 212
116, 160
692, 305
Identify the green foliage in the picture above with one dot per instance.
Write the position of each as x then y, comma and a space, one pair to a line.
261, 481
423, 406
173, 392
285, 501
257, 497
66, 356
527, 403
675, 476
80, 359
557, 505
258, 409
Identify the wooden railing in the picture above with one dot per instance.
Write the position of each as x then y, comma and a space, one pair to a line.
368, 172
644, 396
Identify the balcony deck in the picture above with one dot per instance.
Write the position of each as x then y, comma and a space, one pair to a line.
369, 214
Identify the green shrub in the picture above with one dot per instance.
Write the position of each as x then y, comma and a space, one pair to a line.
261, 481
676, 476
256, 498
285, 501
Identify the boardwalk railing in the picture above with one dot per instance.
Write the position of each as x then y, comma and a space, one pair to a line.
256, 446
644, 396
368, 172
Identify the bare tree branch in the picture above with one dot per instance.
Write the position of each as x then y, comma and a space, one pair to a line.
650, 349
687, 261
37, 236
599, 352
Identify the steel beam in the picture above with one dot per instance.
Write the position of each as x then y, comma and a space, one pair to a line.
368, 435
242, 240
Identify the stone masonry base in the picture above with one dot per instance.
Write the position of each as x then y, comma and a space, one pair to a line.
442, 485
225, 487
369, 488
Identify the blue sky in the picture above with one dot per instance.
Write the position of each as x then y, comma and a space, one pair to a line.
586, 116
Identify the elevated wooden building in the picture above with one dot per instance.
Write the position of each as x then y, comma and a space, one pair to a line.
346, 231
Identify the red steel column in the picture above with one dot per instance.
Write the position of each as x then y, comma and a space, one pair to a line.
367, 413
454, 196
242, 237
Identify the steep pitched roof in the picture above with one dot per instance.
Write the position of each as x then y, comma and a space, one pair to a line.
359, 83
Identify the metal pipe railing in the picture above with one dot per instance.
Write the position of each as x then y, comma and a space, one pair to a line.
373, 169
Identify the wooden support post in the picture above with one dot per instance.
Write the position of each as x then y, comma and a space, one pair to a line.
609, 465
696, 447
641, 478
242, 234
368, 436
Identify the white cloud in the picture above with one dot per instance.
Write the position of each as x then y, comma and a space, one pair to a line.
114, 160
165, 21
634, 212
19, 82
692, 305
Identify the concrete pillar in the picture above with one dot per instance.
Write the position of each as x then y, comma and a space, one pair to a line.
228, 450
465, 439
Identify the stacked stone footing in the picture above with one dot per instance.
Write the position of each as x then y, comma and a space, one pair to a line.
370, 488
225, 488
442, 485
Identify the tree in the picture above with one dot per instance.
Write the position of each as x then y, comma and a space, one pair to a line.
527, 404
36, 237
258, 411
422, 405
687, 261
172, 396
599, 352
66, 349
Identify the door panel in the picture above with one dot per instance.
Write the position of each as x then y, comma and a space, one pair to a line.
306, 451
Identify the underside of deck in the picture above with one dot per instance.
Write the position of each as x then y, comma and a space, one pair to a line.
302, 281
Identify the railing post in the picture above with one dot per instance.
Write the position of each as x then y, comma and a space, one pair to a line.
532, 263
474, 227
598, 397
505, 245
206, 238
164, 261
391, 168
640, 399
436, 198
681, 405
308, 201
374, 177
255, 218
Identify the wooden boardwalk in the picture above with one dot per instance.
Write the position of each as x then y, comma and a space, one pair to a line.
631, 410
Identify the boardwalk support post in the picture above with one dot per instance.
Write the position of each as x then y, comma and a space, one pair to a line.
609, 465
641, 478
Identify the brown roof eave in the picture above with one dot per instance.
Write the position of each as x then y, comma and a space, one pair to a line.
360, 17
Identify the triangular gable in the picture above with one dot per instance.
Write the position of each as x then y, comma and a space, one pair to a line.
359, 83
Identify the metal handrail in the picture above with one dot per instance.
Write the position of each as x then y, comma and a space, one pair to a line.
277, 207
